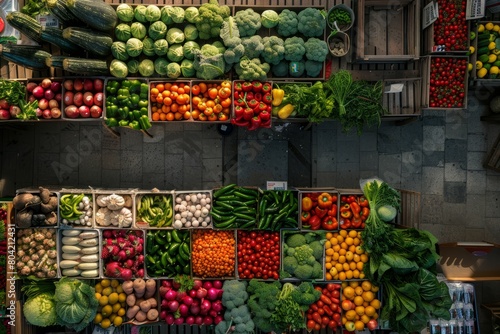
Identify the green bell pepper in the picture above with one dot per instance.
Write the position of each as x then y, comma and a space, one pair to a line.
126, 83
111, 122
144, 92
137, 114
123, 122
123, 94
111, 111
144, 122
134, 125
144, 111
112, 86
142, 103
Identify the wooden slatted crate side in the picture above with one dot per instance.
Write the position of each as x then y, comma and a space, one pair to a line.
404, 103
410, 214
492, 161
387, 31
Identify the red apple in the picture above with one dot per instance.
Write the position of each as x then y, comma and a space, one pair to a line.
98, 99
78, 99
98, 85
84, 111
38, 92
68, 84
95, 111
88, 85
58, 97
78, 84
46, 114
49, 94
39, 112
71, 111
30, 86
55, 86
46, 83
4, 104
53, 104
43, 103
68, 98
4, 114
88, 99
31, 98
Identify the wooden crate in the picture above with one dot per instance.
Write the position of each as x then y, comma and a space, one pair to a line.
388, 31
402, 103
410, 213
493, 159
426, 86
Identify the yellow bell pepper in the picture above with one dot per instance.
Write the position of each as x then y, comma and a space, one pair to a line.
492, 58
278, 95
480, 28
479, 65
492, 45
489, 26
493, 72
470, 67
482, 73
286, 111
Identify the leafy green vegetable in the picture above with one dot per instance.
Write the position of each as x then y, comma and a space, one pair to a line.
40, 310
13, 91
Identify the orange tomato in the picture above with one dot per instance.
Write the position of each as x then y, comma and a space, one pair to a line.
195, 114
174, 107
168, 85
208, 111
202, 106
154, 91
196, 100
160, 87
156, 116
167, 101
203, 87
222, 117
202, 117
187, 115
210, 104
217, 108
195, 89
174, 88
226, 103
212, 117
226, 83
212, 93
163, 117
224, 92
170, 116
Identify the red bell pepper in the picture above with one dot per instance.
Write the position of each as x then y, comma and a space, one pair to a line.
356, 209
254, 123
240, 102
356, 222
241, 122
257, 86
320, 212
252, 103
267, 98
267, 87
239, 111
305, 216
249, 96
262, 106
364, 213
362, 201
265, 124
247, 86
315, 222
248, 114
345, 223
238, 86
333, 210
329, 223
264, 115
258, 96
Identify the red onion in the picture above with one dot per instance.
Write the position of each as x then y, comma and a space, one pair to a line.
164, 315
192, 293
171, 295
198, 320
217, 306
207, 285
55, 86
197, 284
190, 320
187, 300
207, 321
213, 313
194, 309
181, 295
217, 284
49, 94
166, 283
183, 310
201, 293
173, 305
205, 306
179, 321
212, 294
218, 319
164, 303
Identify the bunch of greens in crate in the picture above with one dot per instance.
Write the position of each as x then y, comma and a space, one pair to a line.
403, 263
357, 102
156, 210
167, 253
302, 255
277, 210
280, 307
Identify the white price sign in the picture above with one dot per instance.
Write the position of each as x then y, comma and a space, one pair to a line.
430, 14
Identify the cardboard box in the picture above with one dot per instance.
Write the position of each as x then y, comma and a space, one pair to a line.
470, 261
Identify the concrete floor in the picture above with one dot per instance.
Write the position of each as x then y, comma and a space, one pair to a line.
439, 155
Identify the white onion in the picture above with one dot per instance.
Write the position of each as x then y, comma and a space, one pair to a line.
195, 223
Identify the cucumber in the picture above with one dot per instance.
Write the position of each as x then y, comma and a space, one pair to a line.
26, 25
90, 250
71, 249
71, 232
54, 36
96, 14
68, 264
55, 61
98, 43
483, 42
31, 57
89, 242
86, 66
71, 256
60, 9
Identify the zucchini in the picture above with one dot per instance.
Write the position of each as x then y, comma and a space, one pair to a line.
90, 258
90, 273
54, 36
96, 14
90, 250
60, 9
98, 43
483, 50
89, 234
25, 24
88, 242
55, 61
71, 232
71, 249
71, 256
85, 66
483, 58
71, 272
483, 42
71, 241
68, 264
31, 57
88, 265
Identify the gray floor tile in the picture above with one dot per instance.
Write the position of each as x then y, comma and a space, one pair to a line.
433, 180
453, 214
454, 192
492, 202
475, 160
152, 158
476, 143
455, 150
476, 182
475, 206
455, 172
433, 138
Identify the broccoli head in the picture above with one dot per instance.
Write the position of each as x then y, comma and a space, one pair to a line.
311, 22
252, 69
311, 236
287, 23
305, 294
316, 49
248, 22
290, 251
317, 248
313, 68
317, 270
295, 240
253, 46
289, 264
274, 49
297, 68
234, 294
311, 260
241, 314
294, 48
210, 17
303, 254
303, 271
280, 70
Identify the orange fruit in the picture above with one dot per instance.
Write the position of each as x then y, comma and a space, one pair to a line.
349, 292
368, 296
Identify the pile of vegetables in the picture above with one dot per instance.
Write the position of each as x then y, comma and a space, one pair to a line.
211, 101
354, 210
319, 210
303, 255
213, 253
326, 311
360, 305
68, 302
122, 253
167, 253
237, 313
252, 104
278, 209
258, 254
141, 300
234, 207
13, 103
192, 209
83, 97
192, 302
47, 93
112, 303
36, 209
278, 307
402, 262
36, 252
154, 210
114, 210
170, 101
80, 253
345, 257
76, 209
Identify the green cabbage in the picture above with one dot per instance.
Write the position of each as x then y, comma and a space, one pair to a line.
76, 304
188, 48
157, 30
187, 68
269, 18
148, 47
153, 13
190, 14
161, 66
134, 47
119, 50
190, 32
173, 70
175, 35
125, 12
177, 14
161, 47
40, 310
122, 32
133, 66
118, 68
146, 67
140, 13
387, 213
165, 15
175, 52
138, 30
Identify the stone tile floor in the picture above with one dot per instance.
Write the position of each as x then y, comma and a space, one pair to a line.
439, 155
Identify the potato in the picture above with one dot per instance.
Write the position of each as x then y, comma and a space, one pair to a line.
153, 302
128, 287
131, 300
150, 288
139, 287
145, 306
132, 311
152, 314
140, 316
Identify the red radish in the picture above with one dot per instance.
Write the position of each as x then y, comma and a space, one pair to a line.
207, 321
194, 309
170, 295
197, 284
183, 310
169, 319
98, 99
213, 294
53, 104
190, 320
46, 114
55, 112
88, 85
78, 84
68, 98
164, 304
173, 305
166, 283
43, 104
14, 111
4, 104
201, 293
46, 83
179, 321
126, 274
113, 269
38, 92
30, 86
98, 85
205, 306
4, 114
88, 99
55, 86
78, 99
207, 285
85, 113
217, 284
49, 94
129, 263
107, 234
